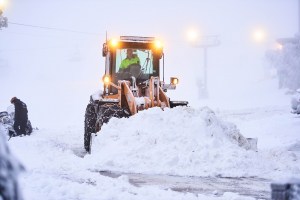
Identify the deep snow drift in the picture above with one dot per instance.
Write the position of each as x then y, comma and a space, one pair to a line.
179, 141
184, 141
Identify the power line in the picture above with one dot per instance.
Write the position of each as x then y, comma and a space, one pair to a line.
52, 28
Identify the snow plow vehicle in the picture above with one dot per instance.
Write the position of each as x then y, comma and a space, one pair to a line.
133, 68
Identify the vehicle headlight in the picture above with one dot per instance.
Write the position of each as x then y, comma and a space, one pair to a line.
174, 80
106, 79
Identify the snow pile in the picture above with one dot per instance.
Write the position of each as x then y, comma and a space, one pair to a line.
182, 141
179, 141
56, 170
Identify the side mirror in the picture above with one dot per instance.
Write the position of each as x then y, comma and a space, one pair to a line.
104, 50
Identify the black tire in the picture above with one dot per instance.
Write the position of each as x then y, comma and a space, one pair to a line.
109, 110
89, 125
93, 125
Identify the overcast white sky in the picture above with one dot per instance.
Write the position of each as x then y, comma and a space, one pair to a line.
60, 68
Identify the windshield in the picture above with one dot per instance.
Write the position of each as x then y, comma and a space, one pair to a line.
129, 63
126, 57
134, 62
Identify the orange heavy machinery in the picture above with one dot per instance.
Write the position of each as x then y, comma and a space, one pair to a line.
134, 67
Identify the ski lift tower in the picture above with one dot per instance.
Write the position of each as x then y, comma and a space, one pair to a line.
204, 42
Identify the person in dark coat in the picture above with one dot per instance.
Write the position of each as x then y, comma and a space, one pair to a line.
21, 116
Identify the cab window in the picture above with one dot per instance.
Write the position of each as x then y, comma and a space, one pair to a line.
145, 57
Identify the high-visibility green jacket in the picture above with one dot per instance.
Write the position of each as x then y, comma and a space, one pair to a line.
128, 61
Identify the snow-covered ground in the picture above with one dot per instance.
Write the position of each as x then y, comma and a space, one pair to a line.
186, 142
51, 59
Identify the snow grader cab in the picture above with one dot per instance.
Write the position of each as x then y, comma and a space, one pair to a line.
131, 83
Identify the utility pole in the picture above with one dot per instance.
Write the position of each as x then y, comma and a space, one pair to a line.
205, 43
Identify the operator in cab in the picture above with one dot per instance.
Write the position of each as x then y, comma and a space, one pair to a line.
129, 60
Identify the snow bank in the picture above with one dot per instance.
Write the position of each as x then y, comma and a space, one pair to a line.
55, 169
179, 141
183, 141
